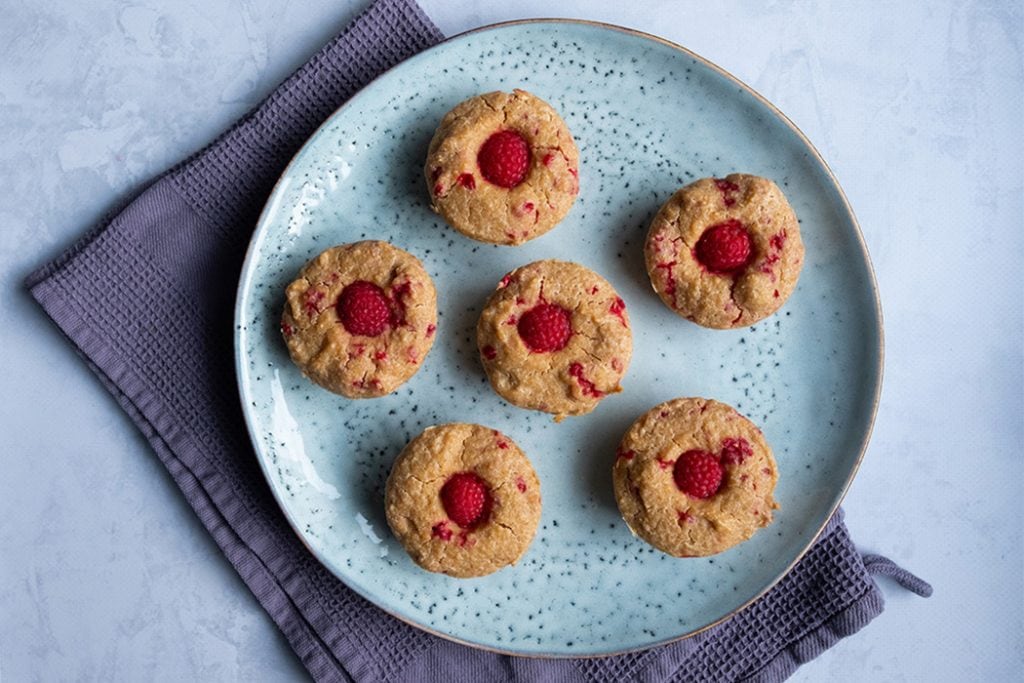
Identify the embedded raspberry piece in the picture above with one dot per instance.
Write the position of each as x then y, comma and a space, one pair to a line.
698, 474
364, 309
735, 451
525, 209
586, 386
724, 248
545, 327
489, 352
617, 308
466, 500
467, 181
311, 302
670, 282
504, 159
727, 188
399, 293
441, 530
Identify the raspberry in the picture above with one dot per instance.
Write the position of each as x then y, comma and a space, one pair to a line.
725, 247
586, 386
545, 327
735, 451
698, 474
617, 308
504, 159
363, 309
466, 500
727, 188
441, 530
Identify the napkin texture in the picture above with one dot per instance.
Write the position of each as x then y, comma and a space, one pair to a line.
146, 298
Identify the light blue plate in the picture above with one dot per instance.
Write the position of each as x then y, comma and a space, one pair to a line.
648, 117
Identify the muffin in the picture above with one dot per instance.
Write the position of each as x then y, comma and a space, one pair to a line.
463, 500
693, 477
725, 252
555, 337
502, 168
360, 318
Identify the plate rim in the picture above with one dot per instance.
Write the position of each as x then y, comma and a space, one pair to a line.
879, 366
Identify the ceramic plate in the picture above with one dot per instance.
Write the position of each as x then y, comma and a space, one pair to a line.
648, 117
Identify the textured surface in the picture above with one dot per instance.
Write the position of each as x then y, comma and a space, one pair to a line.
414, 497
585, 368
327, 469
736, 296
658, 508
377, 356
934, 94
508, 212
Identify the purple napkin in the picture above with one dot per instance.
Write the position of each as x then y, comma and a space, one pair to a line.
146, 297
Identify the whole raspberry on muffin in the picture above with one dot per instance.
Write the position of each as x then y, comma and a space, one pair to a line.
502, 168
462, 499
360, 318
555, 337
693, 477
725, 252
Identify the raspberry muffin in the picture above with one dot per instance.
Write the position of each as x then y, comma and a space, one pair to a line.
463, 500
502, 168
693, 477
555, 337
360, 318
725, 252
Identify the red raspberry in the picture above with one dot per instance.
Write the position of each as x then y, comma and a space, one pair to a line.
466, 500
545, 327
586, 386
727, 188
698, 474
725, 247
363, 309
735, 451
504, 159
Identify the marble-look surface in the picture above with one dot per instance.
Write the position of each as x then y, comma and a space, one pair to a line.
106, 574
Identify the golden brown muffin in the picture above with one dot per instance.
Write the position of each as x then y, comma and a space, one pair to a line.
463, 500
502, 168
693, 477
555, 337
725, 252
360, 318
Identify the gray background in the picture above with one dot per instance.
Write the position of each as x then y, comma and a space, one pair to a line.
106, 574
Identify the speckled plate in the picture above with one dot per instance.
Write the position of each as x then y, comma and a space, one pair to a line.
648, 117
